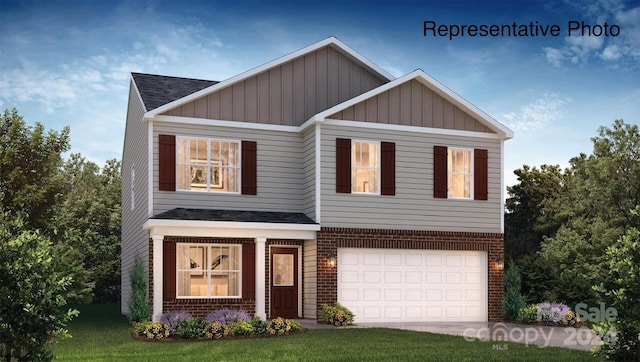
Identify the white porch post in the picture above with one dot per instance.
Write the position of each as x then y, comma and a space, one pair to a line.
156, 311
260, 279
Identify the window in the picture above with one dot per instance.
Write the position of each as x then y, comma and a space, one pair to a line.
365, 167
133, 187
209, 270
460, 173
208, 165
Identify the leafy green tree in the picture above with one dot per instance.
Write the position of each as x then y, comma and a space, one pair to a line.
33, 293
139, 307
30, 159
622, 291
91, 213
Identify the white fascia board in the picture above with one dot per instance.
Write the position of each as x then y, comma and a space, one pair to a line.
196, 228
223, 123
502, 131
274, 63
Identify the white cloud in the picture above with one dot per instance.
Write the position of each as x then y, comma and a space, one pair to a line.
536, 114
612, 52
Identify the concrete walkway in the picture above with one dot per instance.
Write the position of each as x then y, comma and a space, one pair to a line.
489, 332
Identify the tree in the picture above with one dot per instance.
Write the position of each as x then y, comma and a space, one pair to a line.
513, 300
33, 293
30, 159
622, 292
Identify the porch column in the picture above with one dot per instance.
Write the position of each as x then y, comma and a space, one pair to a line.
260, 279
158, 282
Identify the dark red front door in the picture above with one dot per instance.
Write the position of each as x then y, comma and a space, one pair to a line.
284, 282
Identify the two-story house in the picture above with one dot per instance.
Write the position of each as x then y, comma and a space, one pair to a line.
317, 177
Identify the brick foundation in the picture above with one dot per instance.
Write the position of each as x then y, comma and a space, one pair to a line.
330, 239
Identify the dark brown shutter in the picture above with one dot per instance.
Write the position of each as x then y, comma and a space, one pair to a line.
167, 162
249, 168
169, 271
440, 172
343, 165
249, 271
388, 168
481, 174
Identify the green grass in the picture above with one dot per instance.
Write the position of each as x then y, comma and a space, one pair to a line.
100, 333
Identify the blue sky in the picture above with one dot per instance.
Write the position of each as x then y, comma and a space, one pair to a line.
68, 62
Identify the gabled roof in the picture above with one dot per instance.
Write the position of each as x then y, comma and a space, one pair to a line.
432, 84
331, 41
158, 90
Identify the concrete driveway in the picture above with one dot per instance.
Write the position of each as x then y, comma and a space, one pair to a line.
489, 332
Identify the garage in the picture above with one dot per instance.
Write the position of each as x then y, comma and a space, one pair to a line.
400, 285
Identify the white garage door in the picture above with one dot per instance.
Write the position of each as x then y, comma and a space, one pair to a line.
388, 285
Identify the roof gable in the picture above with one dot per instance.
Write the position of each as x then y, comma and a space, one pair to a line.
331, 41
416, 99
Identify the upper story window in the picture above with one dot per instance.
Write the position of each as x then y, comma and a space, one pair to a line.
365, 167
209, 165
208, 270
460, 173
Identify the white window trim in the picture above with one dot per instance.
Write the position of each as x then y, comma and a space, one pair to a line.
208, 191
209, 245
472, 174
379, 168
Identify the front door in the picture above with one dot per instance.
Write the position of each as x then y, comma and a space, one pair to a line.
284, 282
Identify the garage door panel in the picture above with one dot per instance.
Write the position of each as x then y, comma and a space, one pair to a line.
413, 285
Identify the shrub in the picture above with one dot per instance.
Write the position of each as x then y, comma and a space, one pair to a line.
215, 330
150, 330
570, 319
513, 300
259, 326
173, 318
528, 314
227, 316
139, 307
192, 328
295, 326
278, 326
552, 313
336, 315
240, 328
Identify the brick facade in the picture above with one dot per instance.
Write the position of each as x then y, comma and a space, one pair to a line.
330, 239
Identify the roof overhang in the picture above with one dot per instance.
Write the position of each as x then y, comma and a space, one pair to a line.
231, 229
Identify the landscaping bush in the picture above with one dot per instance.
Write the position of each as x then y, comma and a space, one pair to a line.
227, 316
139, 307
215, 330
240, 328
336, 315
552, 313
173, 318
278, 326
150, 330
295, 327
528, 314
259, 326
513, 300
192, 328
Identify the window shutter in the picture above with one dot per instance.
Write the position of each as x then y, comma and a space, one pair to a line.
480, 174
248, 271
167, 162
249, 168
169, 271
343, 165
388, 168
440, 172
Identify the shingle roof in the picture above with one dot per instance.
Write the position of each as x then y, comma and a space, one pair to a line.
158, 90
235, 215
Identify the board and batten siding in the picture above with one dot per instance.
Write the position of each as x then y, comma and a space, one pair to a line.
310, 278
411, 104
288, 94
279, 172
309, 164
413, 207
135, 240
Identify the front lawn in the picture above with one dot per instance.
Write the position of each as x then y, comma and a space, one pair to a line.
100, 333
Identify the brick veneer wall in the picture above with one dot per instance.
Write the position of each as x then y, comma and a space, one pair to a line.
330, 239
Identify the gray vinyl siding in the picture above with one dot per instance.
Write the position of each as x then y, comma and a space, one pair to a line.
413, 206
288, 94
280, 171
310, 279
411, 104
309, 165
135, 240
